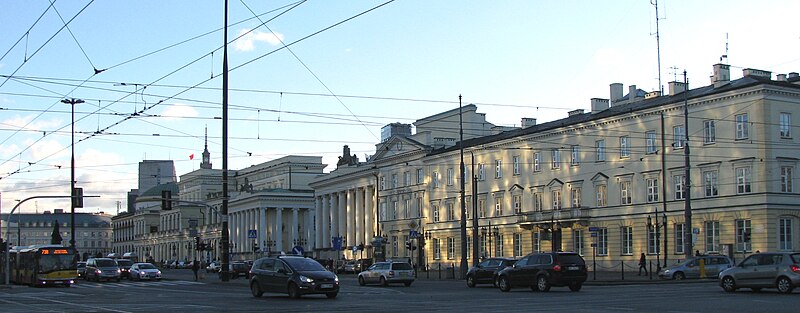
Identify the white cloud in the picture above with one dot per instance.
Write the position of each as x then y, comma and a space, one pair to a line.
247, 42
179, 110
49, 150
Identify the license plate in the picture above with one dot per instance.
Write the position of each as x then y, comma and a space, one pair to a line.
326, 286
573, 268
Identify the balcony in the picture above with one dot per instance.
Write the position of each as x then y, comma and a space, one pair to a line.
543, 219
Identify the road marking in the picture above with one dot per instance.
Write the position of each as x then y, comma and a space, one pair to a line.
143, 284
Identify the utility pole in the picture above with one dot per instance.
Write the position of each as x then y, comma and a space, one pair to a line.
225, 236
687, 209
664, 182
475, 252
463, 201
72, 102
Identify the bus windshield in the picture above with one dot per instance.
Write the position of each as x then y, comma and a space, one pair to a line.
55, 262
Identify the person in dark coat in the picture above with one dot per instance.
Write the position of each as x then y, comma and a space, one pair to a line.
642, 265
195, 268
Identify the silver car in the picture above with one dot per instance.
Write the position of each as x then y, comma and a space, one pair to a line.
141, 271
778, 270
385, 273
712, 265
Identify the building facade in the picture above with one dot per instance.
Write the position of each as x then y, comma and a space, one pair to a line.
93, 232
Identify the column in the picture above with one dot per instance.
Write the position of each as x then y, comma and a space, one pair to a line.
369, 213
262, 228
295, 224
334, 231
279, 229
351, 218
326, 221
360, 217
342, 211
317, 223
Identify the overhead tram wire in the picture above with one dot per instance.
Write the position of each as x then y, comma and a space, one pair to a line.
96, 71
26, 33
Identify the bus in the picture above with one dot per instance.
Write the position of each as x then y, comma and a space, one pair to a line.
43, 265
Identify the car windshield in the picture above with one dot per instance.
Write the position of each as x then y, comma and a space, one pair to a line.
570, 259
55, 262
401, 266
106, 263
124, 263
81, 265
303, 264
146, 266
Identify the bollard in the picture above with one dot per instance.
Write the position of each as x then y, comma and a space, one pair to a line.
650, 270
453, 266
440, 271
622, 269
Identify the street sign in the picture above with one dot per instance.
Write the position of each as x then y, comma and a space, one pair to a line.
594, 229
413, 234
337, 243
696, 230
594, 234
298, 250
252, 234
355, 249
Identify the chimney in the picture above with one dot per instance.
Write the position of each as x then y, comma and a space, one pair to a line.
59, 211
652, 94
722, 75
794, 78
676, 87
575, 112
528, 122
599, 105
781, 77
632, 91
616, 92
756, 73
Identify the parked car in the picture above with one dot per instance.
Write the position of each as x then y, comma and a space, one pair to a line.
294, 275
540, 271
124, 267
213, 267
712, 265
139, 271
239, 268
350, 266
102, 269
81, 269
486, 271
780, 270
385, 273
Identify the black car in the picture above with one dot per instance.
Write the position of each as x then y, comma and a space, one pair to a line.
81, 269
540, 271
294, 275
486, 271
239, 268
124, 267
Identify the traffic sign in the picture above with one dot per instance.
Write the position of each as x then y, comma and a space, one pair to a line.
413, 234
594, 228
696, 230
298, 250
337, 243
252, 234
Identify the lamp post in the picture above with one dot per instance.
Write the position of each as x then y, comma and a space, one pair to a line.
463, 203
428, 236
72, 102
657, 227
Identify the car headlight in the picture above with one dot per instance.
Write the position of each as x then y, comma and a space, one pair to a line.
306, 279
666, 271
119, 271
158, 273
336, 278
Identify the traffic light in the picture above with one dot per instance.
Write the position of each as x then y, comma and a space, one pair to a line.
361, 246
255, 247
410, 246
166, 204
197, 243
747, 236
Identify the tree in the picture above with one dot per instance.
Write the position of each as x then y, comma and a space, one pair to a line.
55, 238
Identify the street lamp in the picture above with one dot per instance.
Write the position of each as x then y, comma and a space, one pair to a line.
428, 236
657, 226
72, 102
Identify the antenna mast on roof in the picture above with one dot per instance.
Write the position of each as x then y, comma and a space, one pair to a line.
658, 47
725, 56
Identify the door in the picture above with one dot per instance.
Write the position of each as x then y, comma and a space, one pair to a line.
485, 270
746, 272
523, 270
263, 272
767, 269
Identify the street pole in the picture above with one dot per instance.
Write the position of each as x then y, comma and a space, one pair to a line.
664, 183
72, 102
463, 203
475, 252
687, 209
224, 272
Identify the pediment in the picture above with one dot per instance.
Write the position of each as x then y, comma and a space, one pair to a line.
599, 176
555, 183
394, 146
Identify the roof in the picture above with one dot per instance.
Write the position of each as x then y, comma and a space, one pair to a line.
93, 220
156, 190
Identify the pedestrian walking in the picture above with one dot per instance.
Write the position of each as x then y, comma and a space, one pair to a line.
642, 265
195, 268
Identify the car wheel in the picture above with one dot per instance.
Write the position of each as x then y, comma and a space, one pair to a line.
575, 286
361, 281
294, 292
542, 284
408, 284
678, 276
503, 284
384, 282
332, 295
255, 290
728, 284
470, 281
784, 285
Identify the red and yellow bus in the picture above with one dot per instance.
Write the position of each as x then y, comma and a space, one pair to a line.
43, 265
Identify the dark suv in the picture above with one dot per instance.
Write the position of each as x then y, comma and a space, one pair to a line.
540, 271
124, 267
294, 275
486, 271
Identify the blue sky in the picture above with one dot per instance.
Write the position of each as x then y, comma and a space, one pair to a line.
398, 63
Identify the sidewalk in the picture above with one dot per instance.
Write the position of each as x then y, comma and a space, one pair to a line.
594, 278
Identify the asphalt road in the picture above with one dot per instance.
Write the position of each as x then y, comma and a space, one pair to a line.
180, 293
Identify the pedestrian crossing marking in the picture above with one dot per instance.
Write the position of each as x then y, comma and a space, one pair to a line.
136, 284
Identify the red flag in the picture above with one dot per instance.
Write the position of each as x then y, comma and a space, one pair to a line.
191, 156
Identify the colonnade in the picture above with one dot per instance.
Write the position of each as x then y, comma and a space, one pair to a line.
276, 229
349, 214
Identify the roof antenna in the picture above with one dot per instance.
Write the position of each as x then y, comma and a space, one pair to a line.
658, 47
725, 56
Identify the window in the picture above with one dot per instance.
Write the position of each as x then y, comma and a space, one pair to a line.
743, 180
382, 184
680, 186
467, 207
625, 192
653, 246
437, 249
679, 137
602, 241
575, 194
515, 159
556, 158
419, 207
451, 212
383, 211
435, 209
517, 244
624, 147
394, 181
556, 199
451, 248
626, 240
650, 138
517, 200
481, 171
498, 168
481, 208
712, 236
537, 241
680, 236
742, 228
435, 178
577, 241
600, 150
420, 176
537, 201
742, 126
575, 156
786, 125
498, 206
394, 245
602, 198
498, 247
407, 179
786, 179
785, 234
406, 208
469, 247
709, 132
394, 210
451, 176
652, 190
710, 183
482, 245
537, 162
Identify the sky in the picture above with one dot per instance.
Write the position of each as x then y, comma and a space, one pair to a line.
308, 77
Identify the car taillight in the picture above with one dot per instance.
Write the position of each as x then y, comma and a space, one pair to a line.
391, 273
795, 268
557, 267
